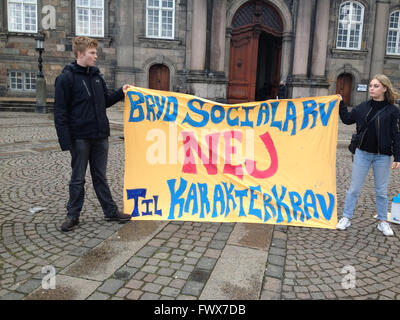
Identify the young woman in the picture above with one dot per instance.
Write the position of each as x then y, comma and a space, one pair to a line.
380, 141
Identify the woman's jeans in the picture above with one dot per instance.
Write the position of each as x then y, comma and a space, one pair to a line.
381, 168
94, 152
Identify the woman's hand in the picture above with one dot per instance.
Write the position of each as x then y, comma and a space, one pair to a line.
395, 165
340, 96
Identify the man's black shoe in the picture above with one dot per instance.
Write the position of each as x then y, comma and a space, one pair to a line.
69, 224
118, 216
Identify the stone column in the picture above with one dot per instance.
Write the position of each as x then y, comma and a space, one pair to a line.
300, 85
287, 42
199, 30
3, 9
320, 39
124, 43
218, 30
302, 41
320, 46
380, 32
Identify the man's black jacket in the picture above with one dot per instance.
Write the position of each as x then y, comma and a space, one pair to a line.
81, 99
282, 92
387, 126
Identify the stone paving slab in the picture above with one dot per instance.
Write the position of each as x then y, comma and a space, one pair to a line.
102, 261
252, 235
238, 275
67, 288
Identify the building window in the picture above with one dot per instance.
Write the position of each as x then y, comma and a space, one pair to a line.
89, 18
21, 81
350, 25
160, 19
393, 39
22, 16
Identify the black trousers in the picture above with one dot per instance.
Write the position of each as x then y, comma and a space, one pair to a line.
94, 152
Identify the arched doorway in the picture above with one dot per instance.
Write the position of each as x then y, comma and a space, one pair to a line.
255, 53
344, 84
159, 77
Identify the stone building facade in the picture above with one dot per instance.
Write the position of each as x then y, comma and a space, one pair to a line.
223, 50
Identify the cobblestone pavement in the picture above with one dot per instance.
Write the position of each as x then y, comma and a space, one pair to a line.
170, 260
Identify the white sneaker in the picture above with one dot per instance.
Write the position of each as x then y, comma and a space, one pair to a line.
343, 223
385, 228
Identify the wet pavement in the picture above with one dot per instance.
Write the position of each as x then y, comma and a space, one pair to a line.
143, 260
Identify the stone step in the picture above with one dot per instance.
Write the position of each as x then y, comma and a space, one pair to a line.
22, 104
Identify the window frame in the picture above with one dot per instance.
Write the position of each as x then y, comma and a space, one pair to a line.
348, 34
24, 78
160, 10
397, 45
22, 2
89, 34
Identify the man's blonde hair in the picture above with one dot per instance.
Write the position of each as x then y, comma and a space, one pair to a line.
82, 43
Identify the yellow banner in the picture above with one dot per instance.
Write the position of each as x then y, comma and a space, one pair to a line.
188, 158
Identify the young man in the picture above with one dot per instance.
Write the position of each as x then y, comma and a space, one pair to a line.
80, 118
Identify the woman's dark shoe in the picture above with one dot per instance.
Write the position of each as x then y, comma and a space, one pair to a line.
69, 224
118, 216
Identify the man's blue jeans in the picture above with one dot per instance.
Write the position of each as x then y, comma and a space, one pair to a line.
381, 168
94, 152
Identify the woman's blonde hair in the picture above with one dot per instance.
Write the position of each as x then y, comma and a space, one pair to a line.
82, 43
390, 95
